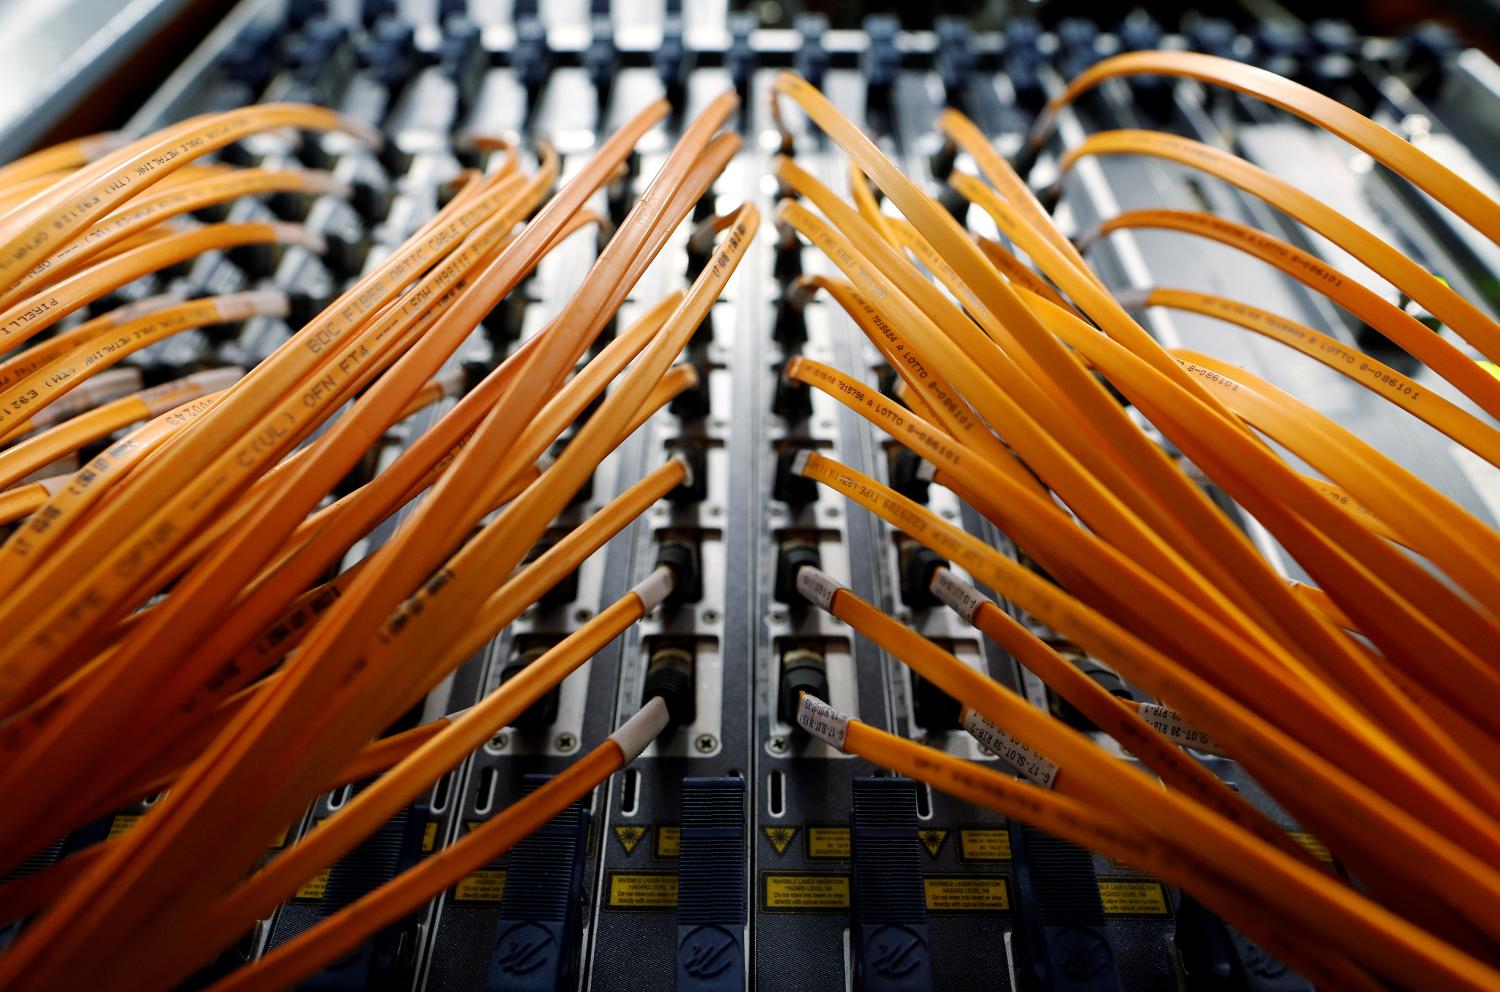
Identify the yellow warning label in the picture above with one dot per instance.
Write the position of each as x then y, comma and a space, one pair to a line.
121, 823
1313, 846
484, 885
642, 890
780, 837
815, 891
1133, 897
967, 893
828, 843
629, 836
983, 845
429, 837
932, 840
313, 889
668, 841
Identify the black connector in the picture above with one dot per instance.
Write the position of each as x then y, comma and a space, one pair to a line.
905, 471
541, 714
693, 489
619, 198
1104, 677
890, 382
669, 674
790, 400
933, 709
955, 203
788, 486
943, 160
585, 492
803, 669
258, 261
792, 556
788, 262
345, 246
474, 372
697, 259
703, 334
790, 326
681, 556
916, 566
693, 402
370, 201
566, 589
303, 307
502, 324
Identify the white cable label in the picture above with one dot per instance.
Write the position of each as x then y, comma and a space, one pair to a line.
142, 308
239, 306
816, 587
111, 384
654, 588
1010, 748
636, 734
958, 594
822, 721
1170, 724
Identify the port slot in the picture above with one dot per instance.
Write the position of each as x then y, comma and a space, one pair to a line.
690, 552
793, 554
827, 546
935, 713
687, 671
916, 565
702, 455
484, 795
786, 485
671, 665
903, 469
795, 668
566, 590
540, 715
1100, 673
630, 790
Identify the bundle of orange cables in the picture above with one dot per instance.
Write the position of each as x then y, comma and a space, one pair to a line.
142, 593
144, 589
1365, 704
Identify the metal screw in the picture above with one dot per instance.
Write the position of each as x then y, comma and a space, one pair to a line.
948, 514
581, 614
831, 511
565, 742
777, 616
777, 745
715, 509
500, 741
710, 616
705, 743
